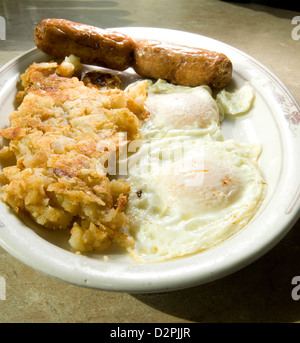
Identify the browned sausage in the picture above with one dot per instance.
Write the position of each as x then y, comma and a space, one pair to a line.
93, 45
181, 65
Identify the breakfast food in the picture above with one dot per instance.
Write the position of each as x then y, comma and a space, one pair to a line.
61, 137
189, 195
187, 66
106, 48
179, 188
178, 64
178, 110
190, 187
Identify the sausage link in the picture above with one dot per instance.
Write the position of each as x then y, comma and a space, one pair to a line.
181, 65
93, 45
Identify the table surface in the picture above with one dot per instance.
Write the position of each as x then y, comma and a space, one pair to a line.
260, 292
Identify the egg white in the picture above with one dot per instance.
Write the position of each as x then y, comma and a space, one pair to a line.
181, 111
189, 195
190, 188
237, 102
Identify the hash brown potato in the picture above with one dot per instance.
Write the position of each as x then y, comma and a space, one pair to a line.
60, 137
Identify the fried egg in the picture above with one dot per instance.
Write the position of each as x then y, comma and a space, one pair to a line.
189, 195
177, 110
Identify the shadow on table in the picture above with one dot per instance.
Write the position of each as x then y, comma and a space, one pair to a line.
271, 7
259, 293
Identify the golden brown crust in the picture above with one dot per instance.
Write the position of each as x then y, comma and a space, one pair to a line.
62, 135
93, 45
182, 65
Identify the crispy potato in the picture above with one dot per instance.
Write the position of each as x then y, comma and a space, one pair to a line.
59, 135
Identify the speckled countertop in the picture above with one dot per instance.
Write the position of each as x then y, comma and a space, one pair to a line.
260, 292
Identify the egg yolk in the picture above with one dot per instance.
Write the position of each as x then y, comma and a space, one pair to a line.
195, 187
183, 110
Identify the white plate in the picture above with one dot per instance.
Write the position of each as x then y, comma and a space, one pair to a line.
274, 122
